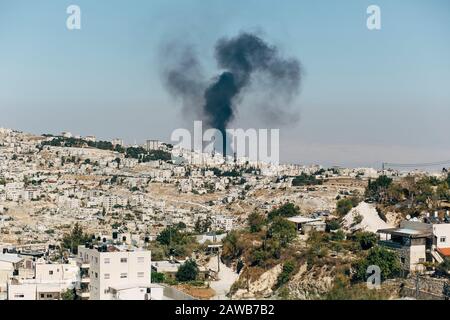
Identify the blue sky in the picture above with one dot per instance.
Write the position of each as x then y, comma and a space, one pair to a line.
367, 96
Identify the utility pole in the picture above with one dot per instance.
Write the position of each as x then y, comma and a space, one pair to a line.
417, 286
169, 222
218, 260
218, 250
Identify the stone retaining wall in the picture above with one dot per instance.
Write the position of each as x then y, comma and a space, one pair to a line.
428, 288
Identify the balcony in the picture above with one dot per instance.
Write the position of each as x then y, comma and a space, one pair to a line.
391, 244
85, 279
84, 295
83, 264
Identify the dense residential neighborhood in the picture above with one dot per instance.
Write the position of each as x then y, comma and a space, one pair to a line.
88, 219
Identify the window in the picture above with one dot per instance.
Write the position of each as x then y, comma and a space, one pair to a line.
96, 260
402, 260
123, 275
443, 239
49, 295
42, 295
106, 261
96, 275
106, 276
141, 259
123, 260
50, 272
19, 295
140, 274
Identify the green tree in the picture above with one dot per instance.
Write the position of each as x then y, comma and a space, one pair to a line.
169, 235
75, 238
287, 210
395, 193
376, 189
259, 257
202, 225
158, 277
286, 273
442, 191
424, 190
386, 260
232, 245
187, 271
69, 294
305, 180
333, 225
256, 222
282, 230
181, 225
366, 240
338, 236
344, 206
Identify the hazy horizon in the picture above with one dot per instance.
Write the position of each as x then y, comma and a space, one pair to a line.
366, 97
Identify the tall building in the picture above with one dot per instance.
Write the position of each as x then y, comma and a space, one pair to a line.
152, 145
108, 268
117, 142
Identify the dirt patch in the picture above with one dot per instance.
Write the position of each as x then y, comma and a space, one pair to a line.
202, 293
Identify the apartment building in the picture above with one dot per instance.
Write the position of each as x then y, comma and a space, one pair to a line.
31, 194
152, 145
48, 282
105, 268
221, 222
417, 243
441, 239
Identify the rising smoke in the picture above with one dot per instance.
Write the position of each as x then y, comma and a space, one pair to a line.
242, 59
183, 77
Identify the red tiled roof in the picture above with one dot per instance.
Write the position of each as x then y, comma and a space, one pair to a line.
444, 251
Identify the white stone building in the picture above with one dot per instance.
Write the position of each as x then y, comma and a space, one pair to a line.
105, 269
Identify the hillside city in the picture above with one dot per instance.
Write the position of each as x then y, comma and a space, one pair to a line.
82, 218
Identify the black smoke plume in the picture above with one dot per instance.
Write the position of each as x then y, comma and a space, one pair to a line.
242, 59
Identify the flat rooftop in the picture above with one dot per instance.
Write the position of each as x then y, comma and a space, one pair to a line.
166, 266
10, 257
300, 219
107, 247
138, 285
405, 232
